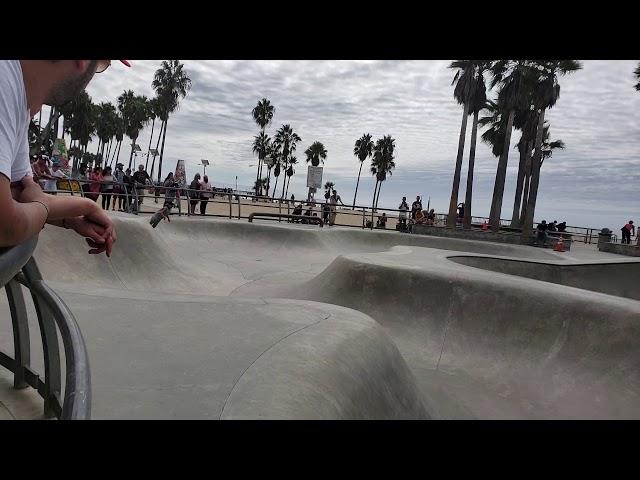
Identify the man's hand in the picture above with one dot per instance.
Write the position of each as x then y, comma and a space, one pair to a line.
95, 234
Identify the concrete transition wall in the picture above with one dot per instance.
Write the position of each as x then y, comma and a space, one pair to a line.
620, 249
487, 236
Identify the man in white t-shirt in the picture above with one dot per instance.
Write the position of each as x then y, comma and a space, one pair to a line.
51, 186
25, 85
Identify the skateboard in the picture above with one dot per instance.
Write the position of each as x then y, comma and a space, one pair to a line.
159, 215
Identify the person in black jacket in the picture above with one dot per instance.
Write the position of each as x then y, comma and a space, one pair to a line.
194, 193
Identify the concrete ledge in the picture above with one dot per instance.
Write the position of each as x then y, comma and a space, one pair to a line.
487, 236
620, 249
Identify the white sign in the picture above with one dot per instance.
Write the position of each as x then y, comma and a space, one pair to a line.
314, 177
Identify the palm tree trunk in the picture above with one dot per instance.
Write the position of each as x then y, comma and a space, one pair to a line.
153, 163
498, 188
133, 142
373, 203
378, 197
453, 203
164, 136
118, 156
522, 173
288, 183
357, 183
273, 192
153, 124
98, 149
466, 222
259, 173
527, 226
44, 133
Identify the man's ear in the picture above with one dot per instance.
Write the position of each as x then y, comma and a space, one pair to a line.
81, 65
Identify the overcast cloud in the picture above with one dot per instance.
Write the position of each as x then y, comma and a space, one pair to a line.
593, 182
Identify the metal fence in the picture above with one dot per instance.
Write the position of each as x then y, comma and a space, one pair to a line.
359, 216
18, 268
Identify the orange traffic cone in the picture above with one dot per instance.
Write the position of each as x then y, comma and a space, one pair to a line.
559, 247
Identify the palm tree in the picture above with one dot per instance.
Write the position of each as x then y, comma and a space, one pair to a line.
261, 147
545, 96
286, 139
636, 72
290, 172
82, 121
547, 151
363, 149
276, 173
119, 136
135, 114
382, 164
316, 153
170, 83
262, 114
105, 127
464, 91
515, 78
477, 102
152, 114
328, 186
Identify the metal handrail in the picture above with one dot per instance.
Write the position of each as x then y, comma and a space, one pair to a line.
18, 267
307, 218
585, 234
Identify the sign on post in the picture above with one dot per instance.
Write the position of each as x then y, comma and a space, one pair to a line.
180, 174
314, 177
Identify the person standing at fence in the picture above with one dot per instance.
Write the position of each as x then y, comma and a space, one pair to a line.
194, 193
95, 185
51, 186
107, 187
141, 179
333, 202
128, 184
118, 190
626, 232
404, 209
415, 207
205, 194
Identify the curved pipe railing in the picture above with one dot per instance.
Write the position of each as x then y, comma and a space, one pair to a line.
18, 267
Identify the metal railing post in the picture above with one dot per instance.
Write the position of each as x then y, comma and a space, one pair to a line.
21, 343
279, 209
238, 197
230, 212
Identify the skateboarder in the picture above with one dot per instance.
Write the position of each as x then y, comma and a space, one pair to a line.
170, 193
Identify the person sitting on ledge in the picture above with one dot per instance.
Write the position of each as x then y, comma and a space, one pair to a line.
382, 221
297, 211
542, 232
562, 226
421, 218
431, 218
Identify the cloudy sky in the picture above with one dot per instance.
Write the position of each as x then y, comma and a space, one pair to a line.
593, 182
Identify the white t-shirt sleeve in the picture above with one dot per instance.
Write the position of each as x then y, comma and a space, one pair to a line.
14, 123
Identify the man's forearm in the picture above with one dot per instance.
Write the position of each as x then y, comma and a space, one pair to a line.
25, 221
66, 207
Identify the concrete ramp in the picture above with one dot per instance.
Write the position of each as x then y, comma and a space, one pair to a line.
491, 345
203, 318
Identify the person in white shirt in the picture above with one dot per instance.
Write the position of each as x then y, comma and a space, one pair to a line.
25, 85
51, 186
205, 194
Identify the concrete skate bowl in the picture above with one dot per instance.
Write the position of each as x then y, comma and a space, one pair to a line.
490, 345
204, 318
619, 278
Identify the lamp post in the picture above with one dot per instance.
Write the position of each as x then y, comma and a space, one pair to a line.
204, 164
